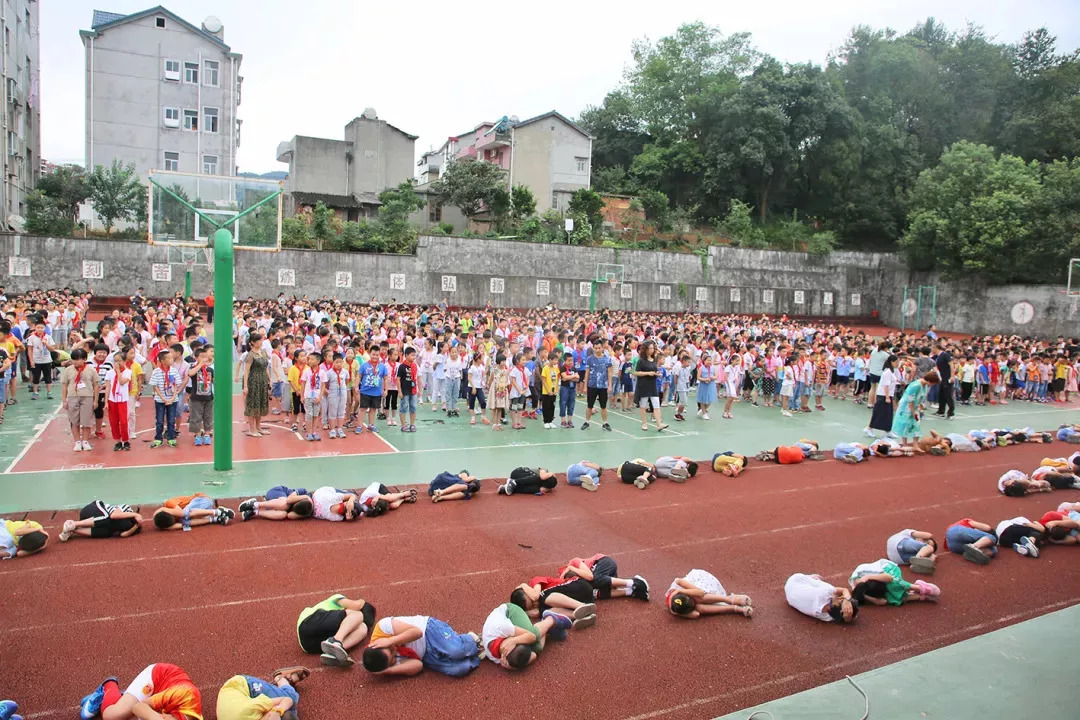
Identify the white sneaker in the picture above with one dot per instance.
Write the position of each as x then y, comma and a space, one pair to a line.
699, 413
704, 416
785, 413
86, 446
78, 446
869, 433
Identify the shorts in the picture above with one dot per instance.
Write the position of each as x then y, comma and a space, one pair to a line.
842, 379
651, 402
594, 395
370, 402
819, 389
80, 410
235, 701
578, 589
517, 403
297, 404
682, 397
99, 409
407, 405
102, 527
908, 548
318, 626
873, 379
629, 472
39, 371
957, 536
200, 503
577, 471
277, 389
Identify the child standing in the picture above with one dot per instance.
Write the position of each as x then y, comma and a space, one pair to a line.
438, 377
568, 379
167, 388
476, 389
499, 391
411, 386
201, 415
732, 381
336, 395
519, 388
118, 384
452, 382
549, 385
311, 381
393, 390
298, 365
682, 373
706, 389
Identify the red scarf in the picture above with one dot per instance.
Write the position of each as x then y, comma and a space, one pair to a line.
413, 372
116, 380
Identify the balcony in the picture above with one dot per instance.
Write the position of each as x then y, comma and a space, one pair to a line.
468, 153
493, 139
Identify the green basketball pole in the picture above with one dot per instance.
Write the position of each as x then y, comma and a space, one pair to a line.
187, 286
223, 345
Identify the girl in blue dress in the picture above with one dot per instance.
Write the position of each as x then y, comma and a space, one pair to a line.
706, 388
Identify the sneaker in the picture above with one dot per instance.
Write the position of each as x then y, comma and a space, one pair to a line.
584, 622
705, 416
333, 647
247, 509
78, 446
372, 428
99, 435
606, 426
222, 516
207, 439
86, 446
118, 447
700, 412
198, 440
155, 444
90, 705
641, 483
869, 433
69, 528
172, 443
1032, 548
318, 438
294, 428
502, 490
975, 555
584, 425
570, 424
1020, 548
644, 584
851, 459
560, 624
785, 413
588, 483
309, 437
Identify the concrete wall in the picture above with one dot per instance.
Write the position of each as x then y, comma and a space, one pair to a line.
545, 159
382, 156
127, 93
466, 271
318, 165
22, 158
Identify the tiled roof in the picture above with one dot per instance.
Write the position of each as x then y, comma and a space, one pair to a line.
103, 17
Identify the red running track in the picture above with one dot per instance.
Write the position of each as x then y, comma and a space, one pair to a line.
220, 601
52, 451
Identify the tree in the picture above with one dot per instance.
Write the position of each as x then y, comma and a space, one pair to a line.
115, 192
398, 204
588, 204
322, 225
523, 202
45, 217
657, 209
469, 185
739, 226
67, 188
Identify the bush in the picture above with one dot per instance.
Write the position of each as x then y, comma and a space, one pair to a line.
44, 216
296, 233
821, 243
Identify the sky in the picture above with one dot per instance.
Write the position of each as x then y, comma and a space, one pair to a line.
436, 69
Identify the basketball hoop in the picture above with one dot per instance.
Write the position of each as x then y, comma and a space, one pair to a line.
189, 263
613, 282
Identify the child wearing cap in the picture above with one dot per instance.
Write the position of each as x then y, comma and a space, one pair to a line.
191, 511
101, 520
280, 503
244, 697
699, 593
451, 486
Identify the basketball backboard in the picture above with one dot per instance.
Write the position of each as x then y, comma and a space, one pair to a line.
186, 209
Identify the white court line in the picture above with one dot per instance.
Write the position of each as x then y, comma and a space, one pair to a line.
1019, 412
594, 422
635, 420
389, 444
34, 439
975, 629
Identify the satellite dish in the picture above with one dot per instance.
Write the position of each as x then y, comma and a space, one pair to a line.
212, 25
514, 119
369, 114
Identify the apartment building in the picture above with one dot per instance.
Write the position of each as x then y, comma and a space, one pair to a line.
550, 154
161, 93
21, 116
347, 175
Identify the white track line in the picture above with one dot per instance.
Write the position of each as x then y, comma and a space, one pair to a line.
593, 422
976, 629
34, 439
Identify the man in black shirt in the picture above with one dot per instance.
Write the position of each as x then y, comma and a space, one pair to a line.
945, 391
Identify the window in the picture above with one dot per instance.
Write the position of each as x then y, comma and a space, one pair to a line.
172, 117
581, 163
12, 140
210, 120
209, 164
191, 73
172, 161
191, 119
160, 22
434, 213
210, 72
172, 70
554, 201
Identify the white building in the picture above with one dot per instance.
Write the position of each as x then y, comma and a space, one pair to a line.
161, 93
21, 116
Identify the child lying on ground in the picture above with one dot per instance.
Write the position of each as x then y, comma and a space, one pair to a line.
101, 520
602, 572
1061, 528
281, 503
161, 690
1022, 535
812, 596
933, 443
729, 463
406, 645
191, 511
700, 593
792, 454
529, 481
1017, 484
913, 547
637, 472
244, 697
574, 595
19, 538
335, 505
584, 474
675, 467
1070, 464
448, 486
881, 583
1069, 434
974, 540
333, 627
510, 638
377, 499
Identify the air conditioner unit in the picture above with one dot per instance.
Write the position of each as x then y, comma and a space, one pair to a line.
172, 122
172, 75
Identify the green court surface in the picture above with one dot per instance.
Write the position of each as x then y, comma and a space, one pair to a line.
438, 445
1015, 672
